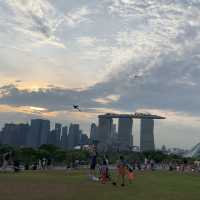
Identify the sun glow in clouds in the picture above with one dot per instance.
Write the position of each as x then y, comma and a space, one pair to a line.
37, 108
108, 99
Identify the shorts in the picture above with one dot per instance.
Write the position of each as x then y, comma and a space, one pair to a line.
93, 166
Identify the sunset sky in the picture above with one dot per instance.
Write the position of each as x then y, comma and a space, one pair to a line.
120, 56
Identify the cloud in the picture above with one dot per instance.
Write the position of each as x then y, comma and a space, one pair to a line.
77, 16
156, 40
87, 41
109, 99
37, 19
163, 48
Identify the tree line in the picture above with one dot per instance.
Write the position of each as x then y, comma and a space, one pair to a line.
59, 156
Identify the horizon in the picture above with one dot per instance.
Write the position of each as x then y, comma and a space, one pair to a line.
121, 56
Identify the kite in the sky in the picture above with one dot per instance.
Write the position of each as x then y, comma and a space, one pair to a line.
77, 107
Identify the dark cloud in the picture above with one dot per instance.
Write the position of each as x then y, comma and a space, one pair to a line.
170, 85
41, 26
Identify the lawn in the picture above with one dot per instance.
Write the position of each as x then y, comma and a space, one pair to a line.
59, 185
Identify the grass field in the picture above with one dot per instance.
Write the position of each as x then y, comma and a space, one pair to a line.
57, 185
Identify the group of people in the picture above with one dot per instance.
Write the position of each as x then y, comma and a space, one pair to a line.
123, 170
7, 159
180, 166
9, 162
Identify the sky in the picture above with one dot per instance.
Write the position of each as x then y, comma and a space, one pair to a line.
120, 56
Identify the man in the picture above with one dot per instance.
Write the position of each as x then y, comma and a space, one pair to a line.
6, 157
93, 163
121, 170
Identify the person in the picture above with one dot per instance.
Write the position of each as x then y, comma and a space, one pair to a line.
93, 163
26, 166
121, 170
107, 164
152, 164
104, 172
138, 165
106, 159
34, 166
48, 163
44, 162
171, 166
145, 163
16, 165
130, 173
6, 157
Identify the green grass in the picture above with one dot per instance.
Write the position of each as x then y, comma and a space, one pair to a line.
58, 185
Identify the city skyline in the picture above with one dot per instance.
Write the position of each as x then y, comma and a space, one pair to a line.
38, 132
106, 135
119, 56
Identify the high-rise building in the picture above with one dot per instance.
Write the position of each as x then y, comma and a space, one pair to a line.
8, 134
52, 138
125, 132
93, 132
74, 136
104, 129
58, 128
0, 137
33, 135
84, 140
114, 131
147, 135
45, 129
38, 133
21, 134
15, 134
64, 137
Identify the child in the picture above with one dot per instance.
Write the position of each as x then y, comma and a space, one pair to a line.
130, 173
104, 172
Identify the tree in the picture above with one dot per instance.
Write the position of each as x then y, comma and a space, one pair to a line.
28, 155
60, 155
6, 148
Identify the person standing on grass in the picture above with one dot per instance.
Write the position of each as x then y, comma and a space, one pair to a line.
106, 159
130, 173
104, 177
6, 157
121, 170
152, 164
93, 163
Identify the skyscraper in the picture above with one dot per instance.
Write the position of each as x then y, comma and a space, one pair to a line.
21, 134
84, 140
0, 137
15, 134
125, 132
38, 133
44, 132
52, 138
58, 128
105, 128
64, 138
147, 135
93, 132
114, 131
74, 136
8, 134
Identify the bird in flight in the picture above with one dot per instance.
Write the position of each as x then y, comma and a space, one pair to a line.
77, 107
137, 76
